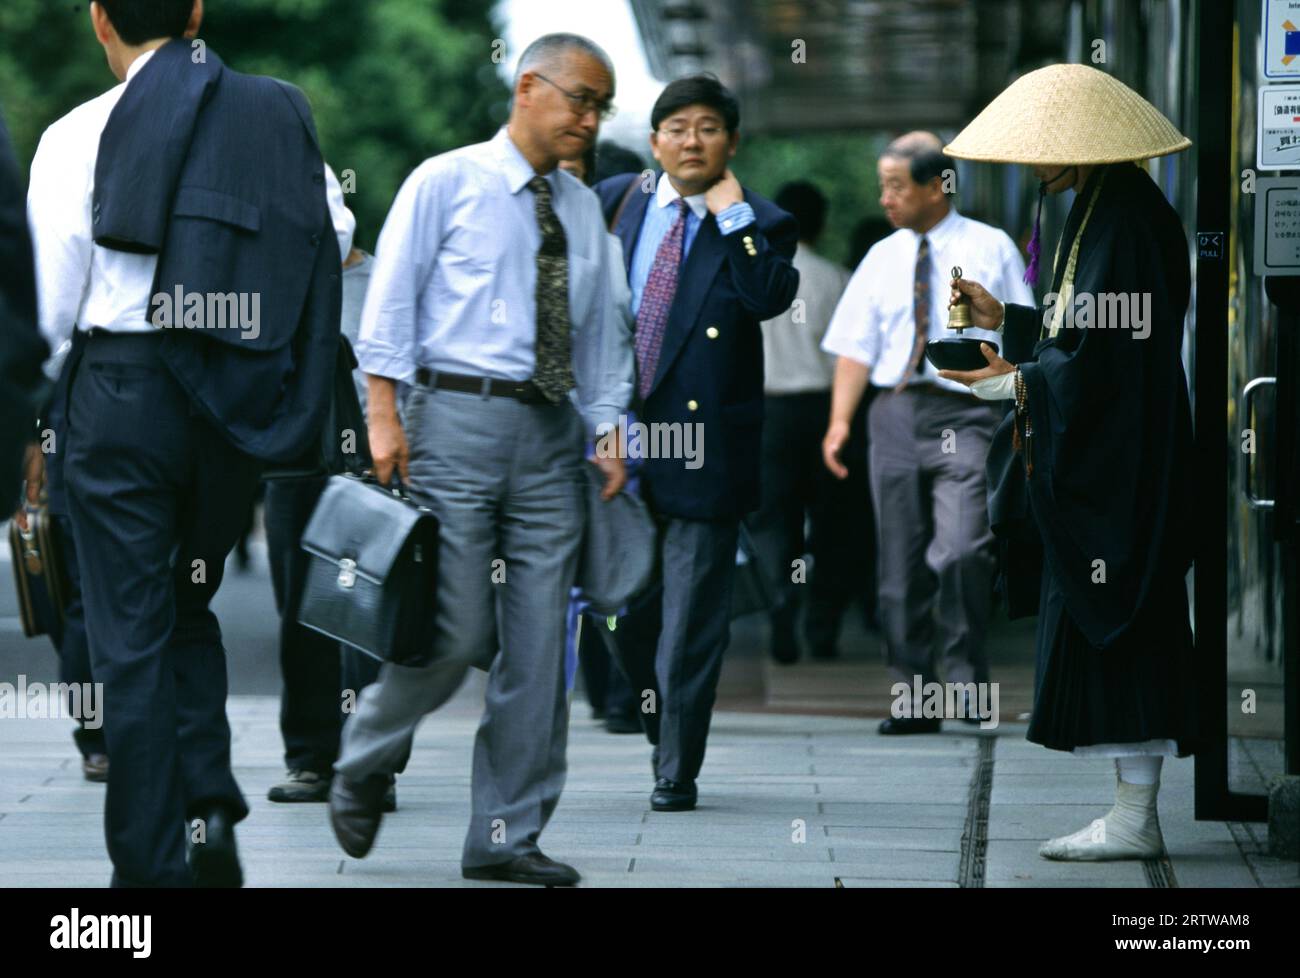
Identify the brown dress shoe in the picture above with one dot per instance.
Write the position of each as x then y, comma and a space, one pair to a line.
95, 767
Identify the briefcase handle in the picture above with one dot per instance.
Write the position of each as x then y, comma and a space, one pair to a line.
395, 485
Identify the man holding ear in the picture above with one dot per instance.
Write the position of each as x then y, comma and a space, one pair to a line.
707, 261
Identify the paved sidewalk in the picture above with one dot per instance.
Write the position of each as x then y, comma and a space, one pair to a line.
785, 800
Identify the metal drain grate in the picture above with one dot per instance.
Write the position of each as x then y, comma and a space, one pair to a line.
975, 836
1160, 873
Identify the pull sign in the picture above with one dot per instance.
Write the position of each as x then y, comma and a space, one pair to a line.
1209, 244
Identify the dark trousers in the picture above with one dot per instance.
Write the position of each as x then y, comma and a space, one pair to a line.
322, 678
311, 715
69, 637
670, 645
799, 490
157, 499
70, 640
608, 691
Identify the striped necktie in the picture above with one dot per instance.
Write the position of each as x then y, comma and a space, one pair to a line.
920, 309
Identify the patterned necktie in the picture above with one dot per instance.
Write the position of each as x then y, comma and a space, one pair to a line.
657, 299
553, 360
920, 309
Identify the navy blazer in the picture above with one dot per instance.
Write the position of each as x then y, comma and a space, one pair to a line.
710, 369
220, 175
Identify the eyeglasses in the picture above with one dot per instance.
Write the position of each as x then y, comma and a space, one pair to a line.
580, 103
706, 134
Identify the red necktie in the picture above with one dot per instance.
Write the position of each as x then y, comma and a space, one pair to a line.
657, 299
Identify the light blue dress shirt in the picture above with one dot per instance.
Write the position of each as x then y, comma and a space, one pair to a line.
454, 282
658, 220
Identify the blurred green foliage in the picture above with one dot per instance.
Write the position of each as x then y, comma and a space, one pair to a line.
841, 165
391, 82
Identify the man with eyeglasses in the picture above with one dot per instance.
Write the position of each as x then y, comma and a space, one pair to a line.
707, 260
491, 295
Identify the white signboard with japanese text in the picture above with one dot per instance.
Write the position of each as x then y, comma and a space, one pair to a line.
1277, 144
1277, 226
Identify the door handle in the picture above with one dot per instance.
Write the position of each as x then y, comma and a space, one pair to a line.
1247, 394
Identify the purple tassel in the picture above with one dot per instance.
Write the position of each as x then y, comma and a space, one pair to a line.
1035, 243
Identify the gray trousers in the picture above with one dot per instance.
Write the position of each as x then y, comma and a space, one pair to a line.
504, 480
670, 645
936, 559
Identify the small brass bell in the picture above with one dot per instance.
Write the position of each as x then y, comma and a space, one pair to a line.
956, 352
959, 311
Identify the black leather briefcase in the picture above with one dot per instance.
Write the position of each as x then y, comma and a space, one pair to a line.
372, 574
40, 576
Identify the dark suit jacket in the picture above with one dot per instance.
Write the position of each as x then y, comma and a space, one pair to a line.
220, 174
21, 348
711, 366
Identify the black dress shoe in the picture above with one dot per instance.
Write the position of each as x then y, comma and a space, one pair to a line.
214, 857
909, 725
622, 723
970, 709
784, 645
356, 809
95, 768
534, 868
673, 796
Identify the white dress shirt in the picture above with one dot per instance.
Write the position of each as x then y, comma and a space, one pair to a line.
793, 361
454, 287
78, 283
874, 322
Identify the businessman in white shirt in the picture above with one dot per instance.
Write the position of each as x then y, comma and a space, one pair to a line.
153, 480
929, 436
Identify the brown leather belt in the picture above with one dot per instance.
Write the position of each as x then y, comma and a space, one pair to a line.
520, 390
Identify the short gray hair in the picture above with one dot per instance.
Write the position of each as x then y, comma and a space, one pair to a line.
548, 48
923, 152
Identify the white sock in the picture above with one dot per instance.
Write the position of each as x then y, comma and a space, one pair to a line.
1130, 830
1139, 768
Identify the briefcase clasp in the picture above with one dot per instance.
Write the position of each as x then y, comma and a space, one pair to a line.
347, 572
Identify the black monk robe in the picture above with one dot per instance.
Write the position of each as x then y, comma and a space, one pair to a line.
1100, 490
1109, 482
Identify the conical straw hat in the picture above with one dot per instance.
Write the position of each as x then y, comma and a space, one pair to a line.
1067, 114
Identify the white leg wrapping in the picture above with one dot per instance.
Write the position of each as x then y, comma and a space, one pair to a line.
1130, 830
